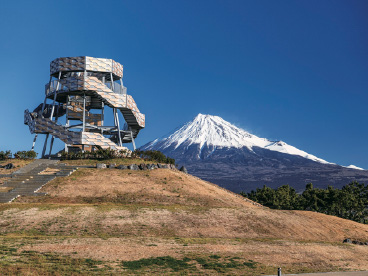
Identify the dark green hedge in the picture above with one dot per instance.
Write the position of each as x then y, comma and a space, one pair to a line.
349, 202
25, 154
154, 155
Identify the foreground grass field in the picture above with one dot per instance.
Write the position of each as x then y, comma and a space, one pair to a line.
166, 222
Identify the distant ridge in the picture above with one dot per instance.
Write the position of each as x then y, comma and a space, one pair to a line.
218, 151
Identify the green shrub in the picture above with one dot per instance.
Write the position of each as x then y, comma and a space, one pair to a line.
4, 155
25, 154
154, 155
99, 154
165, 261
104, 154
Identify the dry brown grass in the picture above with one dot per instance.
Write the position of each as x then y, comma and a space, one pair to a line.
221, 212
5, 189
112, 215
16, 162
270, 253
3, 180
179, 221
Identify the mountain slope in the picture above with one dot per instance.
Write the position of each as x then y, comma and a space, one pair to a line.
215, 150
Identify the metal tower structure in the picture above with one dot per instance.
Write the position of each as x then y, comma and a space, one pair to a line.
78, 86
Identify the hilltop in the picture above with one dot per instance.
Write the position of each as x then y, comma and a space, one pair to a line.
165, 221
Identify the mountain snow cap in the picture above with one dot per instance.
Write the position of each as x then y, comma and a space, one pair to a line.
354, 167
215, 131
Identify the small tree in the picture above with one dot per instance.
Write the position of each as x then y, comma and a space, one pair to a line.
4, 155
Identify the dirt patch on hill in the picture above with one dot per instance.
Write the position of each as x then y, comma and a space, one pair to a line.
49, 171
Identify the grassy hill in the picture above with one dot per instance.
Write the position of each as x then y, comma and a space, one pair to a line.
166, 222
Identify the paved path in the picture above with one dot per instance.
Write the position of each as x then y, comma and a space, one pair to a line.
354, 273
28, 180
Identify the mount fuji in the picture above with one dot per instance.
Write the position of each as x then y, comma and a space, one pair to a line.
215, 150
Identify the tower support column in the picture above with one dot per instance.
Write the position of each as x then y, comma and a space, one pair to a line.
131, 135
66, 149
102, 113
45, 145
53, 137
34, 141
53, 104
84, 112
44, 102
118, 125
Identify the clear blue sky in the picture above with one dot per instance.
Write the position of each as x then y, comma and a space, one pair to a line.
295, 71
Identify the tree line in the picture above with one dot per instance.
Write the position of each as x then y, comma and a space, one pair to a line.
349, 202
30, 154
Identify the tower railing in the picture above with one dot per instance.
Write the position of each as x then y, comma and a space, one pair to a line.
117, 88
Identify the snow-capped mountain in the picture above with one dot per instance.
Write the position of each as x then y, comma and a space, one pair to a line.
216, 150
214, 131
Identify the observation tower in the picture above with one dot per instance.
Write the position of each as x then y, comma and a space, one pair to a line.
80, 88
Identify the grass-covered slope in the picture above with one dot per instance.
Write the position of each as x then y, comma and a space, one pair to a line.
17, 163
166, 222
